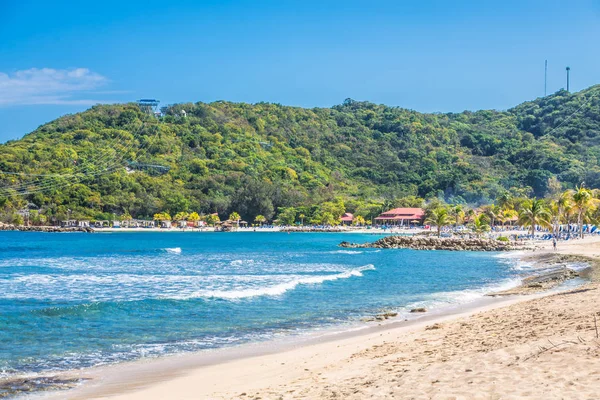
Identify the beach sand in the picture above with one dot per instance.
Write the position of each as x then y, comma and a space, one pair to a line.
540, 347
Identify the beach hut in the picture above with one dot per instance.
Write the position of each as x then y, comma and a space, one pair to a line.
401, 216
347, 219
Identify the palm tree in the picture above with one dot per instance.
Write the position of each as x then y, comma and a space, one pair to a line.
583, 203
491, 211
260, 219
479, 226
534, 212
358, 221
560, 209
302, 216
212, 219
440, 218
180, 216
506, 201
458, 213
234, 216
470, 214
194, 218
163, 216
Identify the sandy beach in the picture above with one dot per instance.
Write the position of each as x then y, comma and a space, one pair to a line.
537, 346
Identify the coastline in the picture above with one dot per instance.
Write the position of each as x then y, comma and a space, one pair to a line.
144, 379
266, 368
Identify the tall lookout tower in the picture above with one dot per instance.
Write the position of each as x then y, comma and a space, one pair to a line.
149, 106
568, 77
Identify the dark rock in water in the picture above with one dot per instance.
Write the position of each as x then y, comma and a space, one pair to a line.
433, 243
420, 309
14, 386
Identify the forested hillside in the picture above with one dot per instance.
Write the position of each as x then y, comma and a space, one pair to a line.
253, 159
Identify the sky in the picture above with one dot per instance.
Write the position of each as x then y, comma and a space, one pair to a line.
59, 57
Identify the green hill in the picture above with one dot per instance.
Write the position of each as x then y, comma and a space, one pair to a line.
253, 159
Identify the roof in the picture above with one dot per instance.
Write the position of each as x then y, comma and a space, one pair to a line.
402, 213
347, 217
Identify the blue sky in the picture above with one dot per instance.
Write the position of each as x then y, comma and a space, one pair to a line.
60, 57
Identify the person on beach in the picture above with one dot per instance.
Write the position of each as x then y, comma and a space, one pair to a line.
554, 243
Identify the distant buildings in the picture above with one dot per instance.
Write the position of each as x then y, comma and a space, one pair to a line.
347, 219
402, 216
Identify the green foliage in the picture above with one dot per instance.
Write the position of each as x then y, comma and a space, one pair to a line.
164, 216
439, 217
255, 159
212, 219
287, 215
534, 213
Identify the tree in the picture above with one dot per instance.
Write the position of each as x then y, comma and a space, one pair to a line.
534, 213
438, 217
458, 214
560, 209
260, 219
181, 216
358, 220
287, 215
583, 203
163, 216
194, 217
212, 219
491, 211
302, 216
479, 225
234, 216
125, 217
328, 218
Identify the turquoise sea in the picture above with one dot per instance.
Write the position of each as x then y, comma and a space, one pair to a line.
77, 300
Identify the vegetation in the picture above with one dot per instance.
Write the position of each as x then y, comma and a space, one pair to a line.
302, 166
534, 213
440, 218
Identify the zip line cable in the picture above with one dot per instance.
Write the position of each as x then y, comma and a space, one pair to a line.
83, 169
30, 187
78, 178
55, 185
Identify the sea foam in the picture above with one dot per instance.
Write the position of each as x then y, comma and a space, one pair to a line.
279, 289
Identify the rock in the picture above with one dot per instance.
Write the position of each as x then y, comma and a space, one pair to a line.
418, 310
390, 315
434, 326
433, 243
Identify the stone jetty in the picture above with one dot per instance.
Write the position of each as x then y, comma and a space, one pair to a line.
434, 243
23, 228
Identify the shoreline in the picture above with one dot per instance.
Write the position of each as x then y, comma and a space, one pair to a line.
148, 376
255, 366
134, 378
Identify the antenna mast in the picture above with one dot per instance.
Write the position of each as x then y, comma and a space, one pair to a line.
568, 72
545, 77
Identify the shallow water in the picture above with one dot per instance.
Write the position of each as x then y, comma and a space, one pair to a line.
78, 300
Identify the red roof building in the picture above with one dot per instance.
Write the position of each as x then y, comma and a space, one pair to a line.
347, 218
402, 216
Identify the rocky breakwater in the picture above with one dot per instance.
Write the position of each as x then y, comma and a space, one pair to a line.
11, 227
434, 243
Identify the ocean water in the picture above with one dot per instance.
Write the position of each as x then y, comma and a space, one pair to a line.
78, 300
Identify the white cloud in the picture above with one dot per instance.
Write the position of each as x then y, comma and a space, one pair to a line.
48, 86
